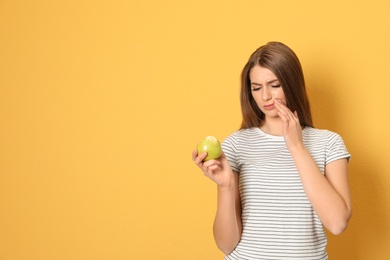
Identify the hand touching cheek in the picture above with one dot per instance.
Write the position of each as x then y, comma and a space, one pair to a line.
292, 130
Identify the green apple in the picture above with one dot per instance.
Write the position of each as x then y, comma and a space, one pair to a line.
210, 145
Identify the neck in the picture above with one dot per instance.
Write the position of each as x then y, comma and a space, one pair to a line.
272, 126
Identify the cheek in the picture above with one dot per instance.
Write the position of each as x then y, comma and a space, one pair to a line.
278, 93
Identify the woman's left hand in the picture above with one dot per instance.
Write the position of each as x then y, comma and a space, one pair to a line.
292, 130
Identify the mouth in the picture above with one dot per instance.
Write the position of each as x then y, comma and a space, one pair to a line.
269, 107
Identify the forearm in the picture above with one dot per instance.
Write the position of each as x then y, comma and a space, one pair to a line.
227, 224
329, 205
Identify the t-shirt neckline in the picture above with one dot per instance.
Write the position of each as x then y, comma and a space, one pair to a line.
275, 137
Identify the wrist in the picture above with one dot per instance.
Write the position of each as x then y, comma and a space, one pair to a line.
297, 149
227, 184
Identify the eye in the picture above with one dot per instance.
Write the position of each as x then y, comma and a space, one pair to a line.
275, 86
256, 89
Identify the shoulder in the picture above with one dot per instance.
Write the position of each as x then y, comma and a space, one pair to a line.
240, 136
317, 140
316, 134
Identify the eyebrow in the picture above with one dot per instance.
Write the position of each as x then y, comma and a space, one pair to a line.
269, 82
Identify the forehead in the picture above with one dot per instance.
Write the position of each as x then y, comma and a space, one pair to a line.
258, 73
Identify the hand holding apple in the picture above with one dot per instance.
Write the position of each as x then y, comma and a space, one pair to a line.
219, 170
212, 146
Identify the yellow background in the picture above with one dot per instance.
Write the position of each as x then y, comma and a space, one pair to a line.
102, 103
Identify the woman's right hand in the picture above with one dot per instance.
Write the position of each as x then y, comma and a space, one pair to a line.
217, 170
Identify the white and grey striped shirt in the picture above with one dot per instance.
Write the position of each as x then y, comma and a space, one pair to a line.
278, 219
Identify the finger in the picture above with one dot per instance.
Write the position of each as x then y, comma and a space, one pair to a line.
209, 163
199, 159
209, 173
212, 172
296, 115
282, 107
282, 116
194, 154
213, 168
285, 112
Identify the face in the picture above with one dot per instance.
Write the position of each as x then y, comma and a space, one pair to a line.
265, 88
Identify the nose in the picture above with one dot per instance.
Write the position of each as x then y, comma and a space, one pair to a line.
266, 94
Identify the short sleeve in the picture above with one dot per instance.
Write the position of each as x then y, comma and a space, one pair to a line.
336, 149
229, 147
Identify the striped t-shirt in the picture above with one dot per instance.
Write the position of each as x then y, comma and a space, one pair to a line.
278, 219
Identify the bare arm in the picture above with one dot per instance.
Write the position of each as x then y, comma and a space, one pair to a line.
329, 194
227, 224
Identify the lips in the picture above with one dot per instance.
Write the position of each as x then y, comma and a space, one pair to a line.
269, 107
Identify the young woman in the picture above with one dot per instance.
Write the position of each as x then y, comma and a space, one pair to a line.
279, 179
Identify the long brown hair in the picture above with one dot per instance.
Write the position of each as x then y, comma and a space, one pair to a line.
284, 63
